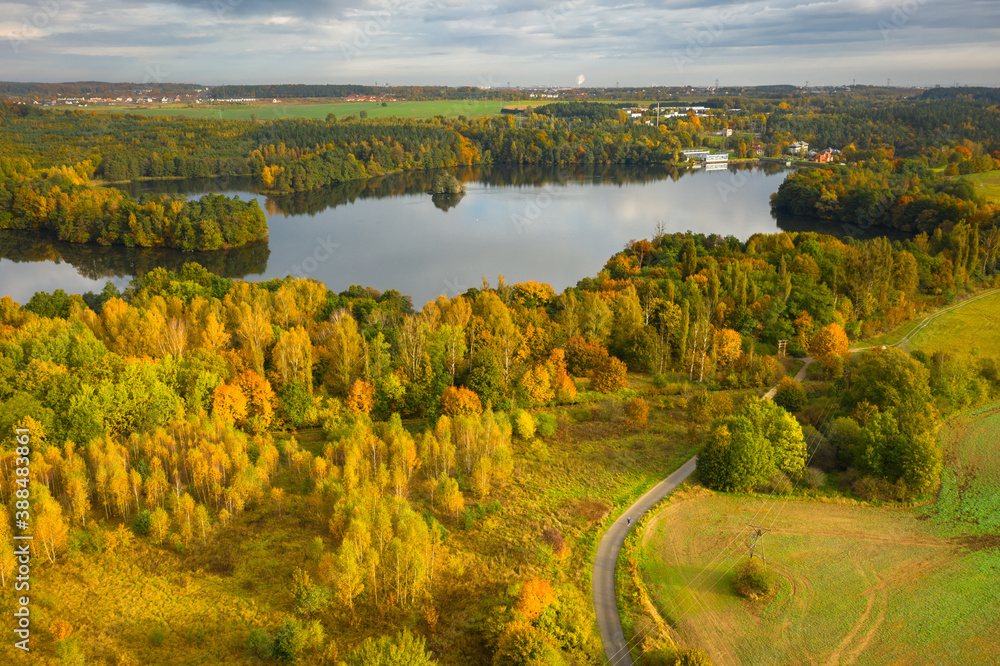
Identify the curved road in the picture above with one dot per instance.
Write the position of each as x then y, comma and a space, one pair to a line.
605, 602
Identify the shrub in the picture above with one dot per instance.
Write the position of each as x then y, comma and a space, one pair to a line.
753, 581
69, 652
523, 424
638, 412
545, 424
610, 375
554, 538
778, 484
814, 478
289, 640
677, 657
580, 414
790, 395
157, 636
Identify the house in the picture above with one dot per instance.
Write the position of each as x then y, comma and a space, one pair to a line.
798, 147
824, 156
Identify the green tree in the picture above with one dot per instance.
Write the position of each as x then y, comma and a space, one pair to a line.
404, 649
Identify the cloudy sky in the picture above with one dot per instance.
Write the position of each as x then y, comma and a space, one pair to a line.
524, 42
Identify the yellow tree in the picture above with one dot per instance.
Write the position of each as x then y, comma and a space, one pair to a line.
449, 496
803, 328
260, 399
7, 560
229, 403
345, 347
292, 356
361, 398
728, 347
50, 527
829, 344
159, 524
248, 310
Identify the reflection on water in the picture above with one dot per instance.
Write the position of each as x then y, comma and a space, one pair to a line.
98, 262
548, 224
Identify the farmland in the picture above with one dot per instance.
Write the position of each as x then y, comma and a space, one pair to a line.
856, 584
429, 109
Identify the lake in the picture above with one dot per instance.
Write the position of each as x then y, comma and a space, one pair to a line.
544, 224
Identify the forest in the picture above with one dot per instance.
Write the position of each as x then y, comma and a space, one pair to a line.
164, 417
899, 159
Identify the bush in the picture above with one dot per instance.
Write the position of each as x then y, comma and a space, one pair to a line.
610, 375
157, 636
523, 425
753, 581
677, 657
289, 641
814, 478
790, 395
580, 414
555, 539
545, 424
69, 651
638, 412
260, 644
778, 484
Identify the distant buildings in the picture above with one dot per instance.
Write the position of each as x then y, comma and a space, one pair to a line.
824, 156
798, 147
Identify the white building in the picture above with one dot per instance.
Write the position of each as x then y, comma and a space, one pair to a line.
716, 157
798, 147
695, 154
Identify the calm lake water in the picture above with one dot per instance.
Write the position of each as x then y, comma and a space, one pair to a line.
548, 225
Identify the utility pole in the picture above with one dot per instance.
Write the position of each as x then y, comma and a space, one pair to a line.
781, 348
757, 534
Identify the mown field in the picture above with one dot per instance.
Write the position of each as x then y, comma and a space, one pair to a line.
970, 330
429, 109
140, 603
857, 584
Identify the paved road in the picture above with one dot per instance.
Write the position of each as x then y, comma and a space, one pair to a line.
605, 602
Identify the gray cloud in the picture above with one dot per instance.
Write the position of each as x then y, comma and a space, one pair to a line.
526, 42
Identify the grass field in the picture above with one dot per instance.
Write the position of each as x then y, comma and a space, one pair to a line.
447, 108
987, 184
970, 485
973, 329
857, 584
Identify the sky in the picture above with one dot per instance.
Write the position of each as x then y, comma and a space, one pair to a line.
489, 43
